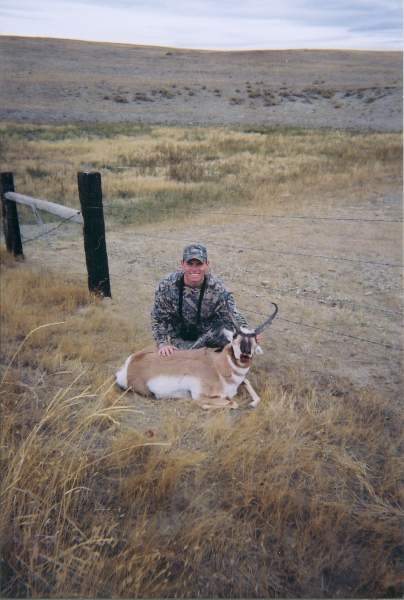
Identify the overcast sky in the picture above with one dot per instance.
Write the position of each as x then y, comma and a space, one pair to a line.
212, 24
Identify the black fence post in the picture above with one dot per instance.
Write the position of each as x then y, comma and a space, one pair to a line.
11, 226
95, 247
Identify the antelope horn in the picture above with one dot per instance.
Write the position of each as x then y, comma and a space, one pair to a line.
261, 327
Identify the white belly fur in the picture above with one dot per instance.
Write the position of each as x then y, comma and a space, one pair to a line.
174, 386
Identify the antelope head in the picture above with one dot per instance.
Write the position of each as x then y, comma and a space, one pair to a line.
244, 341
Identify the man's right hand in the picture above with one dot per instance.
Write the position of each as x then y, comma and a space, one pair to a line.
167, 350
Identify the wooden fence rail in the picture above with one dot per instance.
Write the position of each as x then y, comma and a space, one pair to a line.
64, 212
91, 217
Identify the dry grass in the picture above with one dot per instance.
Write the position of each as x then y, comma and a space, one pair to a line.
150, 173
302, 498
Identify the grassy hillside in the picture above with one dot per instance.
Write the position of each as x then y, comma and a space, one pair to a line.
60, 81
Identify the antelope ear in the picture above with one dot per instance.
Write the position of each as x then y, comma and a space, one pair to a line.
228, 334
258, 349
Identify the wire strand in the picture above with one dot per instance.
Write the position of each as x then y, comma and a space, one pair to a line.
278, 252
324, 330
45, 233
308, 325
110, 205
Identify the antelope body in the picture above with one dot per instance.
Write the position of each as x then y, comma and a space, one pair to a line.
211, 377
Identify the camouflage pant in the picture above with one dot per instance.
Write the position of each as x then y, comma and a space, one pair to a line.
213, 338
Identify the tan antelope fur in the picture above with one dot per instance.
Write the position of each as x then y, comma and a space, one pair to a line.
210, 377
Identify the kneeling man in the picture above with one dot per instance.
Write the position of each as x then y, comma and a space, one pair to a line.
191, 306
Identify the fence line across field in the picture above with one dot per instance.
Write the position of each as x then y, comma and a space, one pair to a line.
77, 217
264, 216
278, 252
332, 332
91, 217
308, 295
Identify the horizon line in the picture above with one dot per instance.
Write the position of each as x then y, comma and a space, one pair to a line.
180, 48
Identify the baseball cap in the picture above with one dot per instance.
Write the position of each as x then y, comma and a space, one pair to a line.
195, 251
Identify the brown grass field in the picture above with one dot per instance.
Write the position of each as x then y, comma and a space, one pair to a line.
109, 494
105, 494
301, 498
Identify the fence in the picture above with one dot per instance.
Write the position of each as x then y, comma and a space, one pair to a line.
91, 217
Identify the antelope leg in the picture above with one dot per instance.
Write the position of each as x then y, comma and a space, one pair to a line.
208, 403
255, 398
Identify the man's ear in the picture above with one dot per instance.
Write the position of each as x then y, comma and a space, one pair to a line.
258, 349
228, 334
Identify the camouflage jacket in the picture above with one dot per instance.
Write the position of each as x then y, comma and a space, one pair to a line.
165, 315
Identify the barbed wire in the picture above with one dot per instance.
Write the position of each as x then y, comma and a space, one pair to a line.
298, 323
272, 289
278, 252
110, 205
47, 232
263, 250
337, 302
305, 295
330, 331
301, 217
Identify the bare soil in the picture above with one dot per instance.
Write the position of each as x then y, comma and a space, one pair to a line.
56, 81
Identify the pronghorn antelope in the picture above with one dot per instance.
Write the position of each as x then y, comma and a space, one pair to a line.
211, 377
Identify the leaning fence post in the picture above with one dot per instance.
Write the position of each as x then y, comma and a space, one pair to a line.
95, 247
11, 226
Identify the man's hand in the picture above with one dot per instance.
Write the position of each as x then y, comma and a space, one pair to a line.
167, 350
259, 338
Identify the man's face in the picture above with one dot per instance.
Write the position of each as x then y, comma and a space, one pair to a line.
194, 272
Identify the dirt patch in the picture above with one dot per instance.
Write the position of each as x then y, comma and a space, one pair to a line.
52, 81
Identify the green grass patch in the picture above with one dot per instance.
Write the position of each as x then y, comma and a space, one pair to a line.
56, 133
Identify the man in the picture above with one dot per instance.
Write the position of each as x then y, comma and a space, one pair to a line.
192, 306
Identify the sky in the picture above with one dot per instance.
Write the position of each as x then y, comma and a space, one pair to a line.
212, 24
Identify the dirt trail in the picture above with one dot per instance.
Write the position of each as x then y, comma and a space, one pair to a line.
328, 277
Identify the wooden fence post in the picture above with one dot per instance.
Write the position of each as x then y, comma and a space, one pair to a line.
95, 247
11, 226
